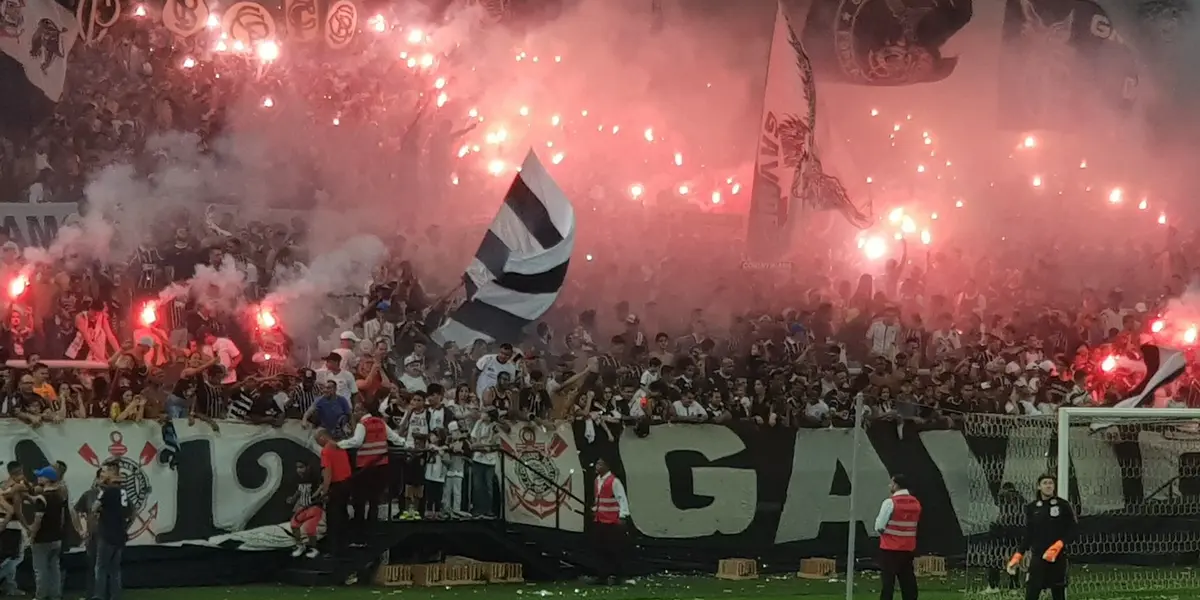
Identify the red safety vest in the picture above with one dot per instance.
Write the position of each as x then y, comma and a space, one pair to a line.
900, 533
608, 510
374, 450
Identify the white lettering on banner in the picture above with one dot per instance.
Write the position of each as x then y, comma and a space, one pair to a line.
1161, 458
1026, 457
246, 467
1093, 461
34, 224
531, 499
973, 504
734, 492
815, 460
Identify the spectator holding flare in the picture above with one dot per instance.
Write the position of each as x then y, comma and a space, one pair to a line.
1049, 524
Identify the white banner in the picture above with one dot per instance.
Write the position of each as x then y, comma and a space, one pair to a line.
226, 489
34, 224
547, 454
229, 488
39, 34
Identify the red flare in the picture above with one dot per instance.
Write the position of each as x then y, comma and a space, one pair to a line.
18, 286
1108, 364
266, 318
149, 313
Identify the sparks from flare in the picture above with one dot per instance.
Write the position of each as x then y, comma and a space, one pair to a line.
149, 314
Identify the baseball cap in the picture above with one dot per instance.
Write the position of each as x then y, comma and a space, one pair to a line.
46, 473
408, 360
349, 335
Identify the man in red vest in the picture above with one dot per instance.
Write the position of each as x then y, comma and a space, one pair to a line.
335, 487
371, 437
610, 509
897, 528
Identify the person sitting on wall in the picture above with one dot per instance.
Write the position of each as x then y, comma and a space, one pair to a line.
309, 511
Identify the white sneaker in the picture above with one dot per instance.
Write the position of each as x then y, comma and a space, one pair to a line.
990, 590
297, 551
312, 553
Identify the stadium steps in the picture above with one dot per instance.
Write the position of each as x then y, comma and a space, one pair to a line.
417, 542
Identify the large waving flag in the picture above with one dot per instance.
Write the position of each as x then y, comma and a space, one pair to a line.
36, 37
520, 265
788, 176
1163, 365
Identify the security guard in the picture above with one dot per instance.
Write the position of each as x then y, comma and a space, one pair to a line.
897, 528
1049, 523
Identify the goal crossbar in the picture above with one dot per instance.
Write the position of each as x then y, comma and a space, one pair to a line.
1064, 428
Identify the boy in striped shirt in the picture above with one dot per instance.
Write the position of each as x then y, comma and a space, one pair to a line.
308, 512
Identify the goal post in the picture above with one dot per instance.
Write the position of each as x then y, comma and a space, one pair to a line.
1132, 475
1106, 417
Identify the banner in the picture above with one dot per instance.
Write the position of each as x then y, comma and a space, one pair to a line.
789, 179
34, 224
39, 35
1063, 66
227, 489
883, 42
544, 486
185, 18
697, 493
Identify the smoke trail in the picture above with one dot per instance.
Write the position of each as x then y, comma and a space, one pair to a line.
342, 270
220, 289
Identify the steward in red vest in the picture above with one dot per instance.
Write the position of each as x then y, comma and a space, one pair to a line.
897, 528
370, 439
374, 449
610, 509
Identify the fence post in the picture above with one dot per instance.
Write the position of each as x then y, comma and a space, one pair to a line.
852, 526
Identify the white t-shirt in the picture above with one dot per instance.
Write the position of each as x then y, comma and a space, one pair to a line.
412, 384
481, 433
343, 379
225, 352
693, 410
349, 360
490, 369
816, 411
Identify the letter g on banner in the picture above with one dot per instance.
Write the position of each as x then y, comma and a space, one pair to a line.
248, 23
340, 24
185, 18
732, 493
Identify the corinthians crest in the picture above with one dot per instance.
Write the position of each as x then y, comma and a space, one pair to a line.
529, 491
136, 487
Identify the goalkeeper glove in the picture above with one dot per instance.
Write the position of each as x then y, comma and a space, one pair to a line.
1051, 553
1013, 563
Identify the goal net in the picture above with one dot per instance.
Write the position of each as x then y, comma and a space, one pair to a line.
1133, 478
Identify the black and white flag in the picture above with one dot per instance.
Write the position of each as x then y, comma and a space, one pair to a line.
38, 36
520, 265
1163, 365
789, 179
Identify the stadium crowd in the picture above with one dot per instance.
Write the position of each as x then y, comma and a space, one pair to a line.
921, 339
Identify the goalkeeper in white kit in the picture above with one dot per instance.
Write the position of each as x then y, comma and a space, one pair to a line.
1049, 523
